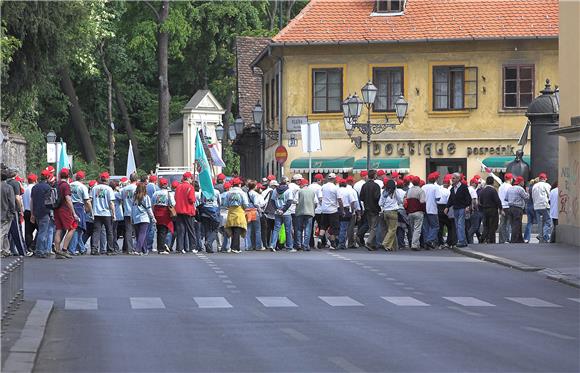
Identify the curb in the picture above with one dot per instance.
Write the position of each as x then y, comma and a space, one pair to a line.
561, 277
22, 355
498, 260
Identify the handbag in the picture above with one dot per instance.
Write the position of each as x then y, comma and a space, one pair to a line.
251, 214
172, 212
282, 235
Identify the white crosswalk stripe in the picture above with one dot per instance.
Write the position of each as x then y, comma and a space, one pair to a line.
469, 302
340, 301
532, 302
404, 301
147, 303
575, 299
276, 302
212, 302
80, 304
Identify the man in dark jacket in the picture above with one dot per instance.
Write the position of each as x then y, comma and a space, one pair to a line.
459, 200
490, 205
370, 194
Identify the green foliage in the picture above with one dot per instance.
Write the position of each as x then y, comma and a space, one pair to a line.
232, 161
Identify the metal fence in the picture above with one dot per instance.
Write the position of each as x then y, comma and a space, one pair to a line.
12, 285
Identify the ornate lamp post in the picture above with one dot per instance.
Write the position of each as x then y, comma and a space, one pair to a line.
258, 116
352, 109
51, 139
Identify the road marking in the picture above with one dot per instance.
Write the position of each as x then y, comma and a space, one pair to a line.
295, 334
532, 302
404, 301
234, 291
276, 302
374, 270
399, 283
344, 364
231, 286
469, 302
220, 272
547, 332
340, 301
80, 304
367, 267
223, 276
212, 302
227, 281
459, 309
575, 299
409, 288
146, 303
391, 279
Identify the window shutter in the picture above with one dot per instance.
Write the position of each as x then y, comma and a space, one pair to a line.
470, 90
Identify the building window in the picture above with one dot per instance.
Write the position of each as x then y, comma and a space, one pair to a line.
266, 104
518, 86
454, 87
326, 90
389, 82
389, 6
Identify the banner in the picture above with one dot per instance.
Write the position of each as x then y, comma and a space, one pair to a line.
215, 156
130, 161
310, 137
62, 159
203, 170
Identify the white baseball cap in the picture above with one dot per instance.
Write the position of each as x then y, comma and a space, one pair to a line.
332, 175
274, 183
297, 177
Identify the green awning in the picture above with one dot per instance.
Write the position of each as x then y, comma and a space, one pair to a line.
323, 164
499, 164
401, 165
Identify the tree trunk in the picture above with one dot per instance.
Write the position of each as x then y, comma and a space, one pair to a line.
127, 122
272, 10
110, 128
80, 127
164, 96
289, 6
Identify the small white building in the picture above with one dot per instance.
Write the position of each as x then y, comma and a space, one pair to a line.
203, 111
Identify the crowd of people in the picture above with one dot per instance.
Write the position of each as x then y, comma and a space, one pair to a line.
63, 215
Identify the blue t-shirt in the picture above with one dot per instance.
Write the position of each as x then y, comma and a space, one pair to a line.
102, 196
127, 194
118, 207
140, 212
79, 193
151, 189
37, 196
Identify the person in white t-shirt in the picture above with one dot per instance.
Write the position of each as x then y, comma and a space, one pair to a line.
504, 219
541, 198
347, 210
554, 210
316, 186
431, 219
294, 187
329, 221
350, 234
363, 179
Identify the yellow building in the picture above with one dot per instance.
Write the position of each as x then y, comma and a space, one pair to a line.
468, 70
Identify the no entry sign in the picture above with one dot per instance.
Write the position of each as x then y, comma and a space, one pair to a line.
281, 154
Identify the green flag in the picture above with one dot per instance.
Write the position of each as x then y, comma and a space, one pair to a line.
203, 170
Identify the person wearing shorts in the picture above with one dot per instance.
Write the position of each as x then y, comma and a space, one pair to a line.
329, 209
65, 217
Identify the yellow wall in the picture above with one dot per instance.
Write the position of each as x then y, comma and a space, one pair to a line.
569, 159
488, 125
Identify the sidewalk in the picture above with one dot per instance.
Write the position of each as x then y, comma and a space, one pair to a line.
555, 261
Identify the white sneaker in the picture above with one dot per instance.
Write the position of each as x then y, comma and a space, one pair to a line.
194, 251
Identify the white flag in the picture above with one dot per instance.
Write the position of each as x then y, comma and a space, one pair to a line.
310, 137
130, 161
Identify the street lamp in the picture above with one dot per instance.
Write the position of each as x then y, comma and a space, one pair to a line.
51, 139
239, 126
258, 116
219, 132
352, 109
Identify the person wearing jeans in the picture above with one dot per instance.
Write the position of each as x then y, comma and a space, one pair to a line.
460, 200
283, 199
142, 216
185, 209
416, 199
103, 199
163, 201
127, 194
516, 198
254, 234
236, 224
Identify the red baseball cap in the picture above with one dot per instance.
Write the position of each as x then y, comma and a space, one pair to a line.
45, 173
50, 169
259, 186
163, 182
416, 180
304, 182
318, 177
104, 175
236, 181
174, 184
408, 178
271, 177
519, 179
394, 174
227, 185
18, 178
152, 178
80, 174
32, 178
124, 179
474, 180
92, 183
399, 183
433, 176
508, 176
447, 178
543, 175
350, 179
64, 172
187, 175
380, 172
221, 177
364, 173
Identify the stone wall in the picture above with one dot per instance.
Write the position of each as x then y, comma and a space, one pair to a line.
13, 150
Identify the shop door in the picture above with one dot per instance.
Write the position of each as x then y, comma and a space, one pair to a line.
446, 166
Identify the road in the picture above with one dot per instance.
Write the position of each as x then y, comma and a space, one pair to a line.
346, 311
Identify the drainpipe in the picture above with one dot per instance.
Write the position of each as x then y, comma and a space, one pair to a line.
280, 104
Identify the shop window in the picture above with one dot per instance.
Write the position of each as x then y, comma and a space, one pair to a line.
454, 87
518, 86
389, 6
326, 90
389, 82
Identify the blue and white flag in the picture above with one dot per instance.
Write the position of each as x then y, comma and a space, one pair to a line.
203, 169
62, 159
130, 161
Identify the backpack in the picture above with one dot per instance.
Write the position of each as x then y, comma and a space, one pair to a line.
52, 199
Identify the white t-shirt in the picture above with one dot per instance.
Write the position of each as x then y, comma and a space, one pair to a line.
294, 188
353, 197
329, 198
345, 196
472, 192
432, 194
554, 203
26, 196
444, 195
358, 185
317, 188
380, 183
502, 192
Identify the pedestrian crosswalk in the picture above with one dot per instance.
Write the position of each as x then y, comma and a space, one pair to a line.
152, 303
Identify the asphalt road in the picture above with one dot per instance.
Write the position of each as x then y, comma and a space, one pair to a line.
319, 311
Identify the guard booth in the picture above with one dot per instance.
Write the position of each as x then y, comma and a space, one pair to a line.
544, 114
203, 111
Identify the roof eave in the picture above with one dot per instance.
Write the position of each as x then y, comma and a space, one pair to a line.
259, 57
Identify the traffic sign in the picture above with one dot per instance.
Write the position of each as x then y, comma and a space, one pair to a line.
281, 154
